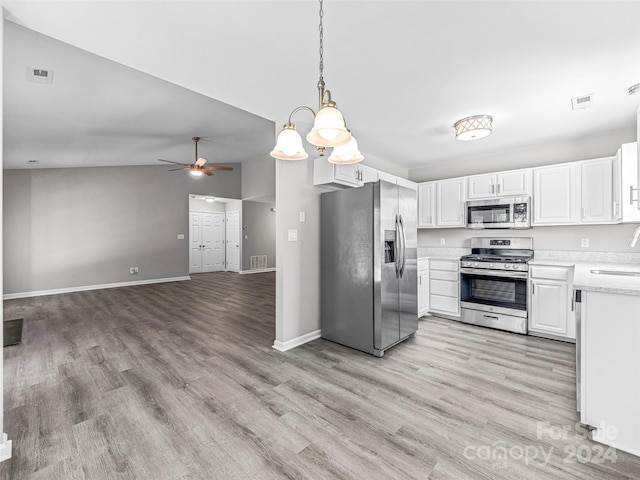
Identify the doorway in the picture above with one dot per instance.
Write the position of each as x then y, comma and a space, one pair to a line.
206, 242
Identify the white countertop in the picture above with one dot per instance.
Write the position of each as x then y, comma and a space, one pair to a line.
585, 280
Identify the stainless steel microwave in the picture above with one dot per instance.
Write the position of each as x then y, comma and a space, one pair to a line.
504, 212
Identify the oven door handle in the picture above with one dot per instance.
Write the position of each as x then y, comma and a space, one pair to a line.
493, 273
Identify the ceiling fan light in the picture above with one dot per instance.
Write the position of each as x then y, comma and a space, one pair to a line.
346, 154
474, 127
289, 145
329, 129
195, 172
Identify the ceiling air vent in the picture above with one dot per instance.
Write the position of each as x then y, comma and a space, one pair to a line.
40, 75
583, 101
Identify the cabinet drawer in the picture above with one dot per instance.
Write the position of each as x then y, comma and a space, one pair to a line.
443, 287
442, 275
444, 304
549, 272
449, 265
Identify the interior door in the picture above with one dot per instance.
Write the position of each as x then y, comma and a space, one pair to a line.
233, 241
212, 242
195, 242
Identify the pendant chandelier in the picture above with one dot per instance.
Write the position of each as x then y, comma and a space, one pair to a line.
329, 127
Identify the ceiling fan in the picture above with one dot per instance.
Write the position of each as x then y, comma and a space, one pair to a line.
198, 167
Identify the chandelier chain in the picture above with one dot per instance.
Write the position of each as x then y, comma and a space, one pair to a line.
321, 28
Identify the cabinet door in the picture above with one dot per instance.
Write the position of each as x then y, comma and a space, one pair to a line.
450, 198
426, 204
556, 195
597, 191
348, 174
628, 180
368, 174
549, 307
481, 186
423, 292
514, 183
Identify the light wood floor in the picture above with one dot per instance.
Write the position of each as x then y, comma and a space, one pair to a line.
179, 381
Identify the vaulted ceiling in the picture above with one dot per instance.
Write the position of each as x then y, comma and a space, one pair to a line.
401, 72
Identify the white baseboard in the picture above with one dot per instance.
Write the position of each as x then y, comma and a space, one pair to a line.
296, 342
56, 291
5, 448
262, 270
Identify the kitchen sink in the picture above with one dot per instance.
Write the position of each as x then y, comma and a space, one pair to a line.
621, 273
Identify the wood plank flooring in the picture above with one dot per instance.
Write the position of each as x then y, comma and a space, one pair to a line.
178, 381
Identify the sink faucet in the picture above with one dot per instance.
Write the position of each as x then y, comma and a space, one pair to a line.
634, 239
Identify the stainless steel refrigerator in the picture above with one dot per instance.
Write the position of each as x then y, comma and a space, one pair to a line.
369, 266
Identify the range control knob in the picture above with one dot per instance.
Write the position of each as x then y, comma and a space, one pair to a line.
506, 265
491, 265
475, 264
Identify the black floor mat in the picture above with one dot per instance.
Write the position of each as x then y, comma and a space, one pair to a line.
12, 330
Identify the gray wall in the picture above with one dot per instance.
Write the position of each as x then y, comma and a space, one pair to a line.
259, 178
258, 233
86, 226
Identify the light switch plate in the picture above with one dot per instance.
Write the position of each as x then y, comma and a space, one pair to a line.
303, 217
584, 243
181, 236
293, 235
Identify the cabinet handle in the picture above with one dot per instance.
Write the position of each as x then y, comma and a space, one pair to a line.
533, 288
498, 189
631, 190
419, 279
493, 188
573, 299
584, 210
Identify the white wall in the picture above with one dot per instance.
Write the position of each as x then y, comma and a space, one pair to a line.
547, 154
602, 238
200, 205
75, 227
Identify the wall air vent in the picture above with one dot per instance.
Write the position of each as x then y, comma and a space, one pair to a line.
32, 163
583, 101
258, 262
40, 75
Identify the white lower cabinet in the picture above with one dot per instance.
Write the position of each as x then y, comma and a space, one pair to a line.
609, 368
423, 286
552, 309
444, 287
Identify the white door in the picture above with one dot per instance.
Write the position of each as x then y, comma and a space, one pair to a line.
549, 313
556, 195
481, 186
233, 241
195, 242
348, 174
369, 174
514, 183
597, 191
212, 242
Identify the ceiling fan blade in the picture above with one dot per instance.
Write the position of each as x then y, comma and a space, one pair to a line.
213, 167
200, 162
177, 163
176, 169
206, 172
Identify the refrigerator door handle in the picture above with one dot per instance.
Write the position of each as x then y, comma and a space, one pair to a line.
397, 248
403, 255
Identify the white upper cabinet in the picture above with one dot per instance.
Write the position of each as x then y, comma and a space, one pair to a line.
427, 204
514, 183
627, 160
556, 195
368, 174
450, 199
598, 203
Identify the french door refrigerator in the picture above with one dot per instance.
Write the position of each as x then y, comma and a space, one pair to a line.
369, 266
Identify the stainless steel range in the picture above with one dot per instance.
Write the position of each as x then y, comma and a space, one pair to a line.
493, 283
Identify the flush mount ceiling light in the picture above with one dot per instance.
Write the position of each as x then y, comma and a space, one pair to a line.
329, 127
474, 127
634, 89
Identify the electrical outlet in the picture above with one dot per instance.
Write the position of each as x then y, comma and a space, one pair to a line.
584, 243
292, 235
133, 270
443, 241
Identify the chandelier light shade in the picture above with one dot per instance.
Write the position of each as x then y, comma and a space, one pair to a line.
329, 129
329, 126
346, 154
474, 127
289, 144
634, 89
